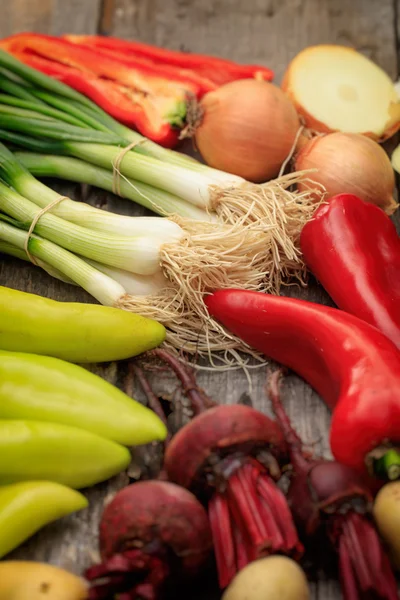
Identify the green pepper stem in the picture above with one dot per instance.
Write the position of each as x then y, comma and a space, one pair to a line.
388, 465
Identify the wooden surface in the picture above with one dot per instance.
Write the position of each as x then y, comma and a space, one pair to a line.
268, 32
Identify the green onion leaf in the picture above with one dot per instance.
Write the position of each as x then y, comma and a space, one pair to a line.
72, 169
37, 109
39, 79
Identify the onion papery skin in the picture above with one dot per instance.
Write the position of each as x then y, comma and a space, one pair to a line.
349, 163
248, 128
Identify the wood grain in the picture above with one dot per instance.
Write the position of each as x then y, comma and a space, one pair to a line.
268, 32
50, 16
75, 16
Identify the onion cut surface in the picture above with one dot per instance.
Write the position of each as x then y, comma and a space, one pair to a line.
335, 88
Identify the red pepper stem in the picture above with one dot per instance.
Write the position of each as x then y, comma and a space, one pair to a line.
293, 440
198, 398
388, 465
364, 567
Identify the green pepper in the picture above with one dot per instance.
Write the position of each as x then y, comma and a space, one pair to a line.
32, 450
73, 331
28, 506
42, 388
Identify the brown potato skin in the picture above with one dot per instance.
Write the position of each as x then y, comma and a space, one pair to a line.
386, 513
28, 580
271, 578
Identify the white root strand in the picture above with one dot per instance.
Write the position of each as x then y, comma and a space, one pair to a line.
255, 247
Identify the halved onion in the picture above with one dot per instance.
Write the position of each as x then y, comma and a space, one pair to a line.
335, 88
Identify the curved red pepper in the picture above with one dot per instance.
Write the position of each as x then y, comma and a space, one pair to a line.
109, 95
353, 249
213, 68
117, 49
352, 365
137, 94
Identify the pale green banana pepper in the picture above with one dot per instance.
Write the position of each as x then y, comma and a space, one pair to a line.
33, 450
73, 331
42, 388
28, 506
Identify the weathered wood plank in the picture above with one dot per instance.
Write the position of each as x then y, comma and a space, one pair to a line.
50, 16
26, 15
75, 16
107, 17
268, 32
258, 31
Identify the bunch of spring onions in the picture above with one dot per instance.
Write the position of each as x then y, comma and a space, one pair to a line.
221, 230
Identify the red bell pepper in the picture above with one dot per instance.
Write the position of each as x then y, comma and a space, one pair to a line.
352, 365
217, 70
353, 249
136, 94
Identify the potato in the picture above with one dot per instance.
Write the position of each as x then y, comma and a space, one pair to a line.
387, 518
271, 578
23, 580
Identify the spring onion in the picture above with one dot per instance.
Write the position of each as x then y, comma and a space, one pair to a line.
207, 188
73, 169
135, 285
11, 250
249, 242
100, 286
36, 109
139, 254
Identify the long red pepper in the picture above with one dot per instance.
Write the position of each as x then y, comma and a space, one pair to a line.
217, 70
352, 365
137, 93
203, 83
353, 249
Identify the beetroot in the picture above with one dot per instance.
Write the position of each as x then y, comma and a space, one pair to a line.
229, 456
330, 499
151, 533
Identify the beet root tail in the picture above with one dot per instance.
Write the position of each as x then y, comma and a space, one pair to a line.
132, 575
250, 519
365, 569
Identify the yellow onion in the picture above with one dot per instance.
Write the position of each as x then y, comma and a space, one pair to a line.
336, 88
248, 128
349, 163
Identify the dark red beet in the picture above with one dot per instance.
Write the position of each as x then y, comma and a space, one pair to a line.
329, 498
150, 532
230, 456
217, 431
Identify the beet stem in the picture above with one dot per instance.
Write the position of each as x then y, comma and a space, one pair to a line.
365, 568
221, 528
265, 510
272, 497
245, 525
242, 555
347, 575
152, 400
198, 398
293, 440
245, 506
